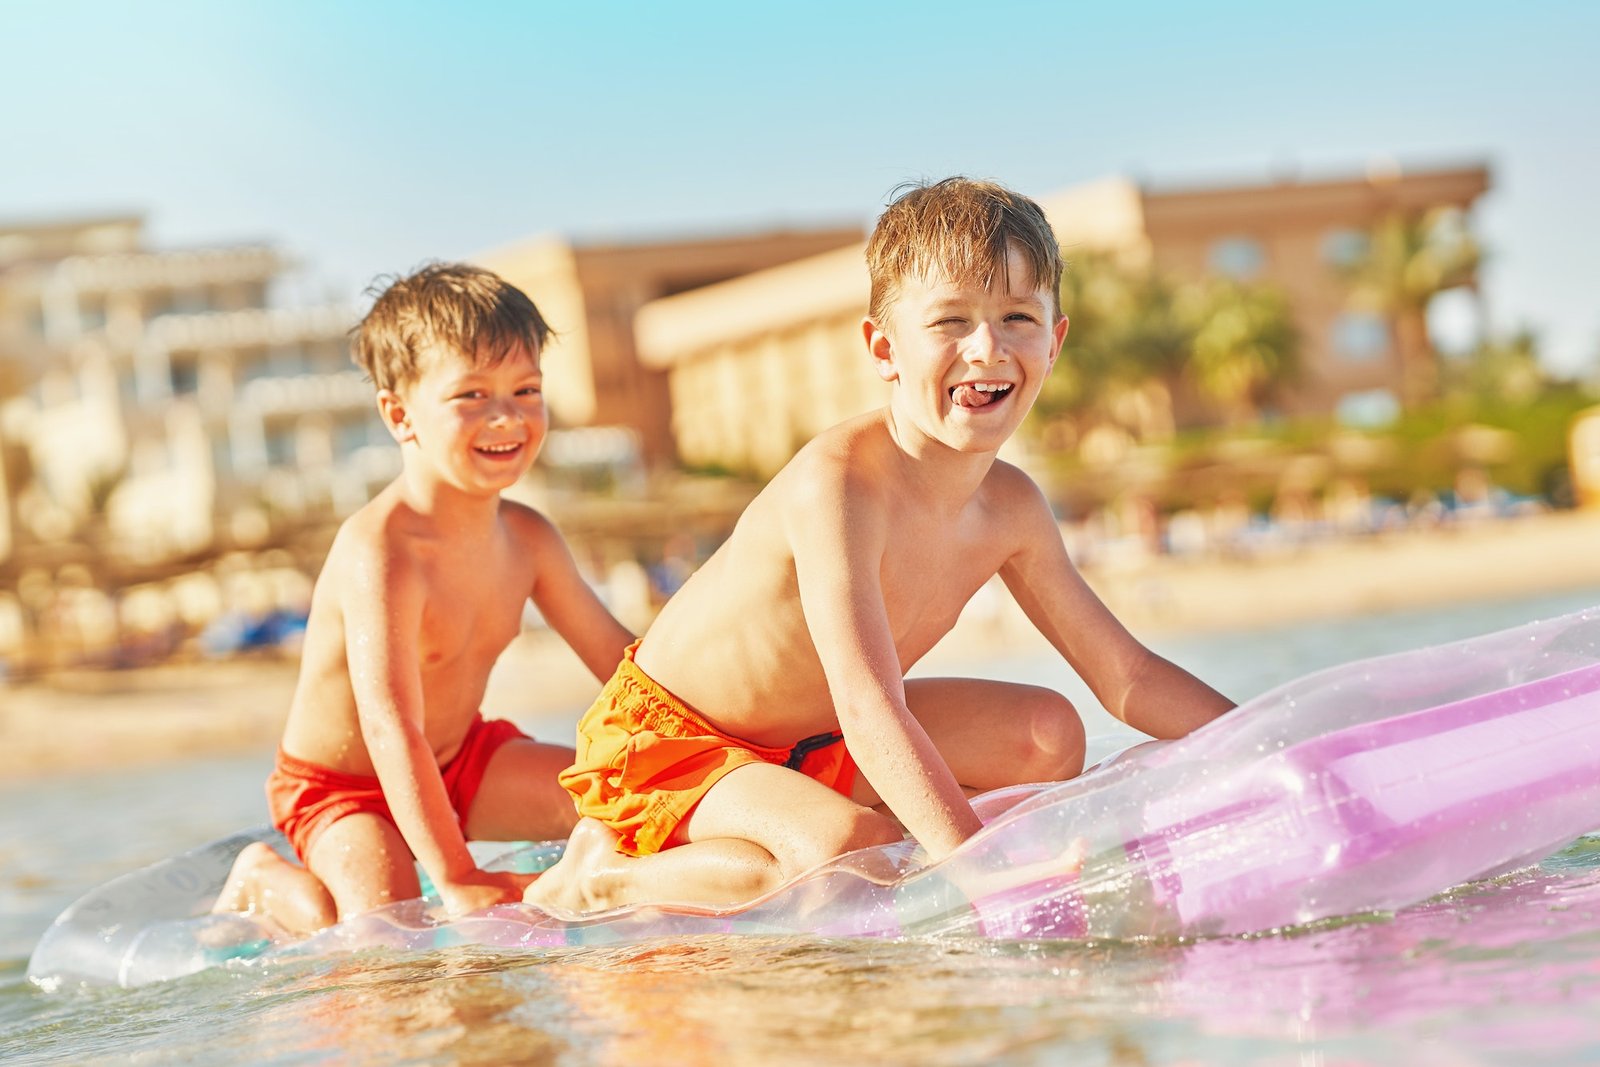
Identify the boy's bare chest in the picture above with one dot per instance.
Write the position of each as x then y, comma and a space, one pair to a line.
927, 580
473, 612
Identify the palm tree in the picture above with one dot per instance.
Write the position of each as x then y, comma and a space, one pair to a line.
1125, 348
1244, 344
1499, 371
1409, 260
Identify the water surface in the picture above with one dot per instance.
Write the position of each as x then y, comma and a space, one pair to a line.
1506, 972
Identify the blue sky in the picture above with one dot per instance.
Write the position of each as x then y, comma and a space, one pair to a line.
363, 138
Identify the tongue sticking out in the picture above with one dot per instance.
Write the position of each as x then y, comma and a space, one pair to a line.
968, 396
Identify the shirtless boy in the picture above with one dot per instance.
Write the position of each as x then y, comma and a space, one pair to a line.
721, 759
385, 756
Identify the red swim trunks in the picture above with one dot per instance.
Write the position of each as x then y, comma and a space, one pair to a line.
645, 759
306, 798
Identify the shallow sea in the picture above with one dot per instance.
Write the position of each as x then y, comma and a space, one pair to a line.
1505, 972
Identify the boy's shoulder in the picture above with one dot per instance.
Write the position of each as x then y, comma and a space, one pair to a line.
1009, 478
846, 460
371, 536
845, 447
532, 533
381, 520
525, 522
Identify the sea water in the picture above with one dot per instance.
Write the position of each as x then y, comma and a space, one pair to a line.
1505, 972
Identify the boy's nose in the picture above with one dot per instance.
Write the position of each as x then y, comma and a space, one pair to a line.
981, 345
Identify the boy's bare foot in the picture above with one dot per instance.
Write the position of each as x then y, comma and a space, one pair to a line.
264, 883
238, 893
573, 884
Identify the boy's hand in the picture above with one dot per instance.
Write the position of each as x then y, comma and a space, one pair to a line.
483, 889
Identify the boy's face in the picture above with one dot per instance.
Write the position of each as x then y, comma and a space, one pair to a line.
477, 424
968, 361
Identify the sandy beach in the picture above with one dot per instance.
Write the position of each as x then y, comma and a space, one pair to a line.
81, 721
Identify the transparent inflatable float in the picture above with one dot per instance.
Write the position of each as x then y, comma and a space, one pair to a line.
1361, 788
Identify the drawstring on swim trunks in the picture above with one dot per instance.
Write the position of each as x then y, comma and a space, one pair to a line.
806, 746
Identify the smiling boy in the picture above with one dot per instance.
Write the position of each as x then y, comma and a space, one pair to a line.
722, 758
385, 755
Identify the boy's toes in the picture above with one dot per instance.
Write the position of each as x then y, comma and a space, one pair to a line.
1072, 857
565, 887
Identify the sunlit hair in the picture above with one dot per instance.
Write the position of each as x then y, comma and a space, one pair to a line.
960, 228
454, 306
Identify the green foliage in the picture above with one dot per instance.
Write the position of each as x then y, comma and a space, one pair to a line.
1408, 261
1244, 344
1124, 331
1234, 346
1497, 372
1520, 444
1135, 332
1411, 258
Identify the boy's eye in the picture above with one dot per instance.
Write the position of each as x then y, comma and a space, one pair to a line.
529, 390
951, 321
470, 394
1020, 316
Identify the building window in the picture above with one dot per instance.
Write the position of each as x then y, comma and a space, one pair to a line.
331, 357
1237, 257
1360, 336
185, 377
280, 447
1368, 410
189, 301
352, 435
278, 361
222, 458
1345, 249
91, 314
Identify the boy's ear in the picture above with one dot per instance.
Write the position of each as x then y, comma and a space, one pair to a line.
392, 409
881, 351
1061, 338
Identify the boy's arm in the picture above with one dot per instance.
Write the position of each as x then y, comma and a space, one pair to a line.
1139, 687
569, 604
383, 620
839, 537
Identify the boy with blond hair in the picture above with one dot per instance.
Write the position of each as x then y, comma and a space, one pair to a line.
385, 758
722, 758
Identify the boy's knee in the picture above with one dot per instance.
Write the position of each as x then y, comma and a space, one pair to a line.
865, 829
1057, 736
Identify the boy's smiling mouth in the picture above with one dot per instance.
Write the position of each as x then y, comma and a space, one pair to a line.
979, 394
505, 448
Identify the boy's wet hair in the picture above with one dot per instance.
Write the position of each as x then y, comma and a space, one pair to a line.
961, 228
453, 305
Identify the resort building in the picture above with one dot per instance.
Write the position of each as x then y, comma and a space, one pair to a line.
590, 292
1303, 238
156, 409
758, 364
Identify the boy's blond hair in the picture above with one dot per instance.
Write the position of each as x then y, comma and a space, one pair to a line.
961, 228
454, 305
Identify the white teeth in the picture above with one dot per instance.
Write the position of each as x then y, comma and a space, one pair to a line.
989, 387
501, 448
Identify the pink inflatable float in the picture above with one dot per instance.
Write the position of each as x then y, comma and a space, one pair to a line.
1362, 788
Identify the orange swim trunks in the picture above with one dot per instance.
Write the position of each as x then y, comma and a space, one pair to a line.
306, 798
645, 760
